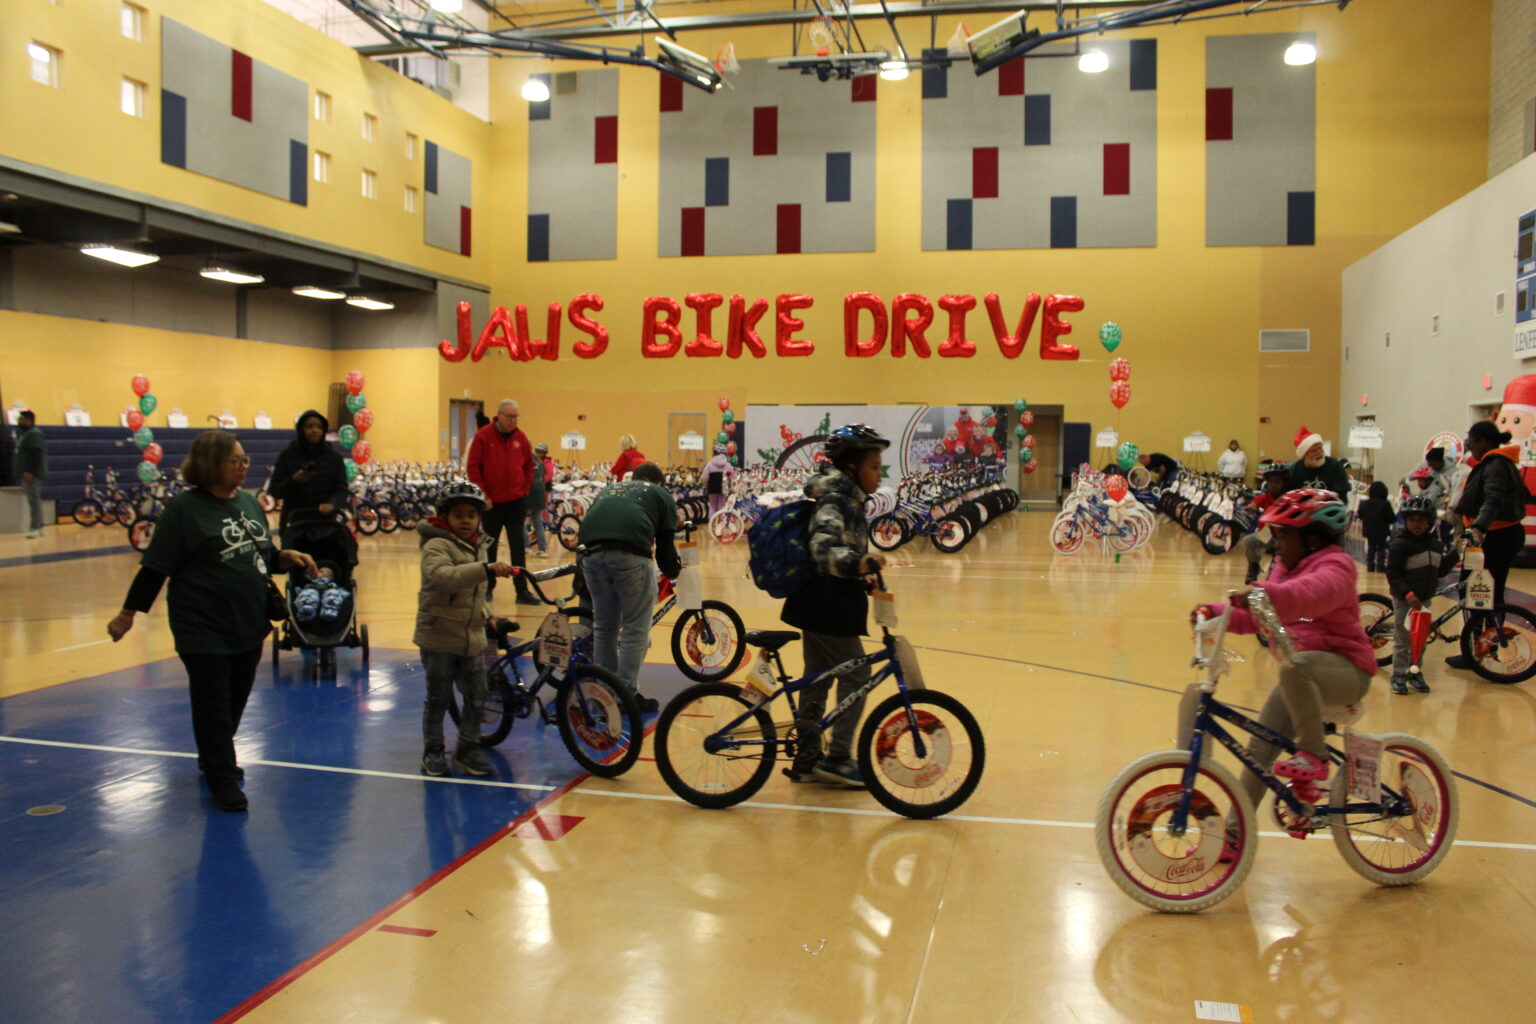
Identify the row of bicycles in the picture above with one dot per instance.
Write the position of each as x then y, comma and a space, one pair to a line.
1212, 507
1123, 523
135, 508
949, 507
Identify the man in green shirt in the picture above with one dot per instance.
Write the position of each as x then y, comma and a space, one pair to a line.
31, 467
1314, 469
618, 532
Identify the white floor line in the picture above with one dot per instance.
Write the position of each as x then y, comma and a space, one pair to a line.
876, 812
76, 647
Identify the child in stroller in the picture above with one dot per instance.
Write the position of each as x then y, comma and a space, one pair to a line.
320, 596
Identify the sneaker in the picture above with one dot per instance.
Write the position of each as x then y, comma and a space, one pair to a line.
839, 773
801, 775
1416, 680
527, 598
472, 761
435, 765
1304, 766
1229, 853
647, 704
1399, 685
239, 771
1459, 661
1251, 575
34, 534
228, 796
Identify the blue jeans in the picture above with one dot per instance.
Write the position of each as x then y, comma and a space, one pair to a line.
444, 671
623, 589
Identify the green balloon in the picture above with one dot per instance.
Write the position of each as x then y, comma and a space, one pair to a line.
1109, 336
148, 472
723, 438
1020, 431
351, 468
1025, 455
1019, 405
357, 403
348, 436
1125, 462
728, 416
147, 403
1127, 451
143, 437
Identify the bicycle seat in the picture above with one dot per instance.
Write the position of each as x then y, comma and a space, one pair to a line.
770, 639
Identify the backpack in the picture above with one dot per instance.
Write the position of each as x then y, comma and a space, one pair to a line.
779, 553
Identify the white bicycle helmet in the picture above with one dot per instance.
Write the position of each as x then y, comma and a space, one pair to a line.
457, 491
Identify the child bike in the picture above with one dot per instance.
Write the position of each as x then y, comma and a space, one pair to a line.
1500, 642
1177, 833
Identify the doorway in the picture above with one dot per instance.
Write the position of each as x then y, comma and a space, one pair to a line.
682, 429
463, 421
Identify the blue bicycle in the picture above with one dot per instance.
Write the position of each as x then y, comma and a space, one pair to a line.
920, 751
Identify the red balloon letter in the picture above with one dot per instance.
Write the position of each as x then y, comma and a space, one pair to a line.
957, 344
449, 352
743, 330
599, 343
549, 346
703, 305
784, 337
1053, 327
852, 303
651, 327
910, 330
1012, 344
499, 332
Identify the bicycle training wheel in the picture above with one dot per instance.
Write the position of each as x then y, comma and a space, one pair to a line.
1501, 645
567, 529
599, 720
707, 642
1380, 629
1397, 849
1153, 866
496, 716
724, 776
934, 781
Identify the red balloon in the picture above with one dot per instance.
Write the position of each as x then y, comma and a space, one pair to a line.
653, 329
1026, 418
1120, 393
362, 452
354, 381
135, 419
154, 453
854, 302
1030, 467
579, 320
140, 385
729, 428
1120, 369
1054, 327
1029, 441
730, 448
1115, 487
725, 403
362, 420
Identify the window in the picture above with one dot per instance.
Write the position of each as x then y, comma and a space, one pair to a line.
410, 146
322, 166
133, 22
132, 101
410, 199
370, 185
45, 63
370, 127
322, 106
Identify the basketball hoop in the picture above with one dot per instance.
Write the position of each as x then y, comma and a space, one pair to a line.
725, 59
821, 35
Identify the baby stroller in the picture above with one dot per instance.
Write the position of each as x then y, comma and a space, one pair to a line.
328, 541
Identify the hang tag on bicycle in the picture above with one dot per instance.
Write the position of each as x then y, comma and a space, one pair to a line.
911, 671
884, 606
555, 641
688, 553
1479, 581
1362, 755
690, 589
759, 684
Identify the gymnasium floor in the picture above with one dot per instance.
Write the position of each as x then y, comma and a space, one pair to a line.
357, 890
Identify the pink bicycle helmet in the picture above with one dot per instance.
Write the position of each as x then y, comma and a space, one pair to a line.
1305, 506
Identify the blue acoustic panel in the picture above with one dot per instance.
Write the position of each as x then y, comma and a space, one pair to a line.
776, 129
573, 168
173, 128
717, 181
298, 172
1266, 151
429, 168
449, 200
935, 76
1056, 132
538, 237
1063, 222
1301, 218
540, 111
958, 235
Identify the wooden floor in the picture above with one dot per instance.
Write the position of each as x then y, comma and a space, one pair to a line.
813, 905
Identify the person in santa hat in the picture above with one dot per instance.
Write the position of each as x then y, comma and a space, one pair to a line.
1314, 469
1517, 418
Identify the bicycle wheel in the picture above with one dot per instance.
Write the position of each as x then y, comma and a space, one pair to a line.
1067, 534
804, 454
367, 520
727, 525
707, 642
496, 716
1501, 653
599, 720
1402, 849
951, 534
140, 532
389, 519
706, 778
886, 533
1218, 537
567, 530
932, 783
1175, 873
1380, 628
87, 512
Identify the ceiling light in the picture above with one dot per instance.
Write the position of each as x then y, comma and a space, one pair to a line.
1299, 53
122, 257
893, 70
310, 291
1093, 61
535, 90
446, 6
7, 228
230, 276
364, 302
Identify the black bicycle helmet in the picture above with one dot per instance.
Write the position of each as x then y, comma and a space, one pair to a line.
1417, 505
847, 443
459, 491
1276, 469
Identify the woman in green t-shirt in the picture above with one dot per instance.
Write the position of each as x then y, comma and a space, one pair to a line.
213, 544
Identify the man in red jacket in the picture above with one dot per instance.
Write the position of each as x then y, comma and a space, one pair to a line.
501, 464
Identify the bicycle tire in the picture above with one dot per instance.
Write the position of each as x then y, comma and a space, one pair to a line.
1140, 860
1376, 618
140, 532
1517, 650
496, 715
700, 658
951, 534
887, 532
389, 517
367, 518
1219, 537
87, 512
568, 531
700, 777
913, 786
1067, 534
1410, 764
727, 525
1138, 478
599, 720
796, 452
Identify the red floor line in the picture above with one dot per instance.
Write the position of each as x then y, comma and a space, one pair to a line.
400, 929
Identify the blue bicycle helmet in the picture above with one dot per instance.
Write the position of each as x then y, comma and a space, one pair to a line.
847, 443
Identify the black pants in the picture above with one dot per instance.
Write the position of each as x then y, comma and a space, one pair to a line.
219, 684
508, 516
1375, 554
1499, 550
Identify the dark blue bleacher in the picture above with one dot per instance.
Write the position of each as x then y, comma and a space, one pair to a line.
72, 449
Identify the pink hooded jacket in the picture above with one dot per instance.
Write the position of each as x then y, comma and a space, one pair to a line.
1318, 604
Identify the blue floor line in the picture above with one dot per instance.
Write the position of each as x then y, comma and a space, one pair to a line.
65, 556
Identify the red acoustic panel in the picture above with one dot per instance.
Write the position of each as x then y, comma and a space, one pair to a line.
864, 88
240, 85
765, 131
1010, 78
1117, 168
984, 172
671, 93
693, 231
789, 227
606, 147
1218, 115
464, 222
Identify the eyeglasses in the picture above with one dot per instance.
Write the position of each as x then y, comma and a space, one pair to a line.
239, 460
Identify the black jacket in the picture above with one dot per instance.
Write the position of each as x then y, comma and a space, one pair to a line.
1495, 492
1376, 518
833, 602
327, 487
1415, 564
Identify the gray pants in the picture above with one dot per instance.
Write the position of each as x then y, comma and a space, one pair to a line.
823, 652
1254, 550
34, 491
444, 672
1402, 653
1316, 679
623, 589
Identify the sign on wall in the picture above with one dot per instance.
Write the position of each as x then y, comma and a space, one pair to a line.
1525, 286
